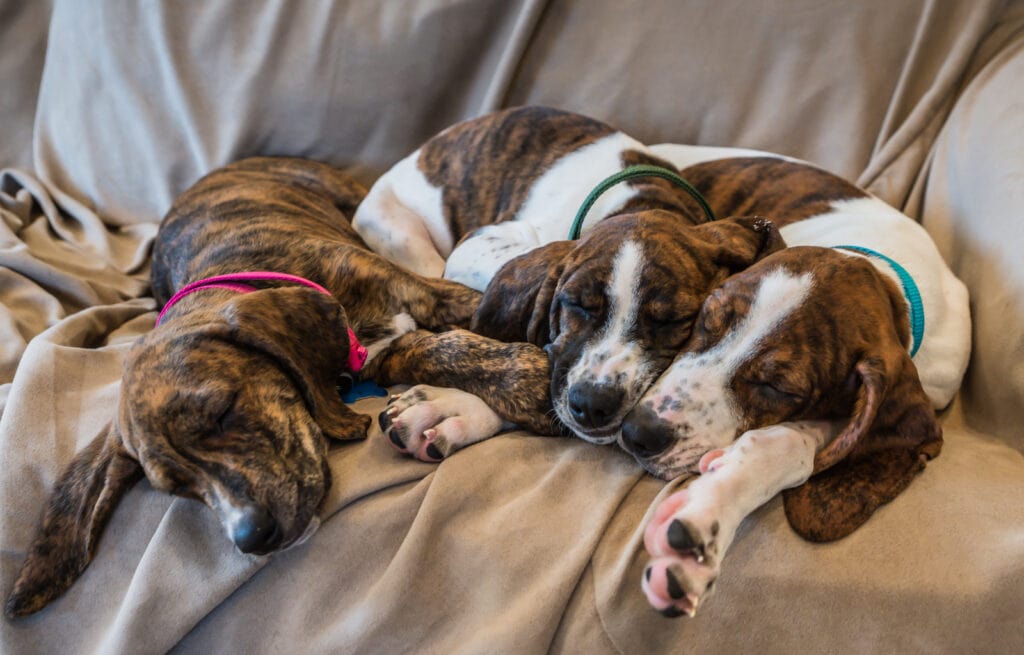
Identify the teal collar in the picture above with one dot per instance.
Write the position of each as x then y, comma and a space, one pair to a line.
910, 290
630, 173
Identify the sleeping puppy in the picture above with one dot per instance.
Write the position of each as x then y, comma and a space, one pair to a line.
798, 365
490, 202
231, 400
817, 370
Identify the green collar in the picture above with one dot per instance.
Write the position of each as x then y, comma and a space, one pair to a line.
630, 173
910, 290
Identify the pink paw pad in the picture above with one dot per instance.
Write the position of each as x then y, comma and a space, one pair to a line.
428, 451
390, 427
654, 534
664, 590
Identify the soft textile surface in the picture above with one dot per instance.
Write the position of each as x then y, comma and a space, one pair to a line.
519, 544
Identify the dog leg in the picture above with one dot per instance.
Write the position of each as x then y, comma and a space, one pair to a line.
692, 529
513, 379
431, 423
401, 219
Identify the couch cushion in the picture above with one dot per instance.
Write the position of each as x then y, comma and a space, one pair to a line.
972, 199
139, 100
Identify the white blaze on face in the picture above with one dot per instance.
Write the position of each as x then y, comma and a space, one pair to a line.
614, 356
695, 393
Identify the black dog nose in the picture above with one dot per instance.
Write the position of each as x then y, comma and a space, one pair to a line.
644, 434
256, 531
594, 405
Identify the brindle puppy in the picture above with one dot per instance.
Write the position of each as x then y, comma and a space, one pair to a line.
231, 400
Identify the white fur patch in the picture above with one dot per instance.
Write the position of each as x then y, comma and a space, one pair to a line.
402, 219
614, 356
476, 261
869, 222
403, 323
558, 194
548, 211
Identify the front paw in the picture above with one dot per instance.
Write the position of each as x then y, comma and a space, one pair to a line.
388, 365
431, 423
684, 543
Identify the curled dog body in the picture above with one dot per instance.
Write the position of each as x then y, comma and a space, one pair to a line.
490, 202
231, 400
796, 377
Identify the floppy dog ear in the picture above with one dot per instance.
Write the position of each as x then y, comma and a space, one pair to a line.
306, 333
742, 240
516, 304
856, 474
81, 503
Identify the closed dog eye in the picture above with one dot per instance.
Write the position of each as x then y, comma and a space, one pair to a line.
671, 333
586, 309
775, 392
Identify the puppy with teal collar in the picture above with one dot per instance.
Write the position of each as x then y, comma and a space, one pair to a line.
817, 371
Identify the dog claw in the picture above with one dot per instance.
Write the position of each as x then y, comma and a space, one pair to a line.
430, 434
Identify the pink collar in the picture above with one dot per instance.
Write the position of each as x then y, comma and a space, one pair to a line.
236, 282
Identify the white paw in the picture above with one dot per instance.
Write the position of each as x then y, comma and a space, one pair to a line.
686, 540
431, 423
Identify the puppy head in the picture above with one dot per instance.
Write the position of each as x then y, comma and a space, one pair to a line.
614, 308
232, 410
807, 333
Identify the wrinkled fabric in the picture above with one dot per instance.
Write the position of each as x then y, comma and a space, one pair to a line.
520, 544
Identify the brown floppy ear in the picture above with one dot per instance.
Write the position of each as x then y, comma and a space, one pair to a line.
742, 240
306, 333
81, 503
891, 435
517, 302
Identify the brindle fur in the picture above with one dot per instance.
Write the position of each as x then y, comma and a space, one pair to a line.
783, 190
844, 355
486, 167
231, 398
877, 455
535, 298
888, 438
465, 360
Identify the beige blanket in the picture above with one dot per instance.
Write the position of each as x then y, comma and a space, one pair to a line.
518, 544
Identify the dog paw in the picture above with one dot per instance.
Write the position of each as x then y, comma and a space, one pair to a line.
683, 540
431, 423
